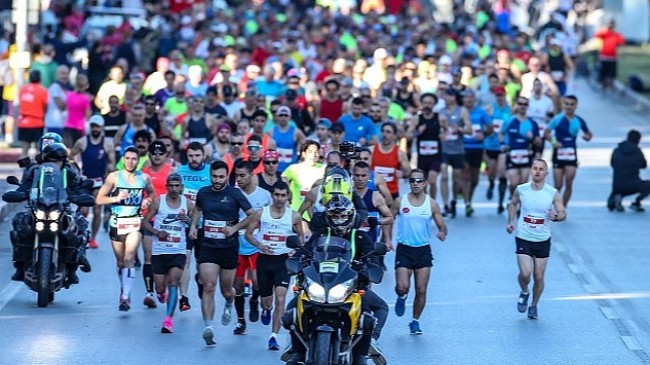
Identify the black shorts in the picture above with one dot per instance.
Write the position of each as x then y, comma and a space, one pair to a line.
271, 272
429, 163
226, 258
112, 234
607, 70
30, 134
539, 149
413, 257
538, 250
511, 165
455, 161
71, 135
474, 157
163, 263
194, 244
560, 164
493, 155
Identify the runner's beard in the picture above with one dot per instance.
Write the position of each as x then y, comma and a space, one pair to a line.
95, 134
218, 186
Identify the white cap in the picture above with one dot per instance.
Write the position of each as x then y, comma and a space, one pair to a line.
283, 110
445, 60
96, 120
380, 53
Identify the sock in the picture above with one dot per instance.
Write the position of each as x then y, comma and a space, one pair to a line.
503, 185
147, 275
404, 296
239, 305
416, 320
128, 276
273, 335
119, 275
171, 300
208, 322
256, 295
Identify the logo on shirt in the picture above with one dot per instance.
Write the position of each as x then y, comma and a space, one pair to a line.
405, 210
224, 199
170, 218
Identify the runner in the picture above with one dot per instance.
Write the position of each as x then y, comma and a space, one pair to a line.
247, 259
388, 160
379, 215
429, 127
495, 158
540, 204
195, 175
267, 178
219, 205
288, 138
258, 121
540, 110
414, 213
97, 158
276, 223
125, 190
375, 181
219, 147
254, 158
236, 150
125, 135
198, 125
171, 212
566, 126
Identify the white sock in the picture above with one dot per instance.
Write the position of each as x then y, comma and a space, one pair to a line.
127, 281
273, 335
416, 320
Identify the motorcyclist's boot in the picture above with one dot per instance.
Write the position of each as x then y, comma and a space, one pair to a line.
72, 275
19, 274
360, 360
296, 358
84, 264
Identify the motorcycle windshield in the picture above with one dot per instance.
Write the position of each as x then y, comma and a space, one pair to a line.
332, 249
50, 184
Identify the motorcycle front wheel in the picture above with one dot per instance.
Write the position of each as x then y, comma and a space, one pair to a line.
323, 351
44, 267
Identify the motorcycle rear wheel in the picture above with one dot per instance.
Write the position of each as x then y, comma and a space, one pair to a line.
44, 268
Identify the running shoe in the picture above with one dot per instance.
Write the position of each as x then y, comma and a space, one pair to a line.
148, 301
199, 286
124, 305
167, 326
254, 313
522, 304
240, 328
273, 344
452, 209
162, 297
184, 304
93, 244
500, 209
445, 211
636, 206
266, 316
227, 314
469, 211
532, 312
414, 326
400, 305
490, 193
208, 336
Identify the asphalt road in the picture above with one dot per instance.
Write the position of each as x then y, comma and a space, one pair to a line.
595, 310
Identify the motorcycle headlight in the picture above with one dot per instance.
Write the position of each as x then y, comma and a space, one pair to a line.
54, 215
40, 226
315, 291
340, 292
54, 226
40, 215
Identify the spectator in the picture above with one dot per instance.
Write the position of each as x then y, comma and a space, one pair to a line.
31, 113
78, 102
627, 160
56, 112
608, 55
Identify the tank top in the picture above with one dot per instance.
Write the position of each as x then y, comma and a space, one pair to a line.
533, 223
286, 147
499, 116
371, 228
273, 232
159, 178
264, 185
453, 144
258, 199
129, 207
94, 160
371, 181
414, 223
516, 137
429, 140
198, 131
193, 180
129, 132
167, 220
386, 165
556, 65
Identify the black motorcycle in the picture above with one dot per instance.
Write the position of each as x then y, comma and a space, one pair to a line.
49, 229
328, 318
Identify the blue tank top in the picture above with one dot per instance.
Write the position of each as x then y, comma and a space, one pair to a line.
127, 138
286, 147
94, 159
499, 117
129, 207
373, 213
371, 181
479, 119
193, 180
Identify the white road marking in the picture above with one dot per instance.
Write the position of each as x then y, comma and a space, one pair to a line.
609, 313
632, 343
9, 292
575, 269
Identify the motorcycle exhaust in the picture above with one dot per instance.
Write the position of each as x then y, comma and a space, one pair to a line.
69, 228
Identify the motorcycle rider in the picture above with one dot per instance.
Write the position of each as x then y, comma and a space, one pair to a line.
58, 153
340, 219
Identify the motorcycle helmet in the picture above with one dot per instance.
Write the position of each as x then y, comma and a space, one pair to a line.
47, 139
337, 182
55, 152
339, 214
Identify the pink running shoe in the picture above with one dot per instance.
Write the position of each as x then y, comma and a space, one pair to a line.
167, 326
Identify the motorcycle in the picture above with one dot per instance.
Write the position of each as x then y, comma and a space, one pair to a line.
48, 227
328, 318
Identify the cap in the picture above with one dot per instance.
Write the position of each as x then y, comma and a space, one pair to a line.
380, 53
283, 110
223, 126
469, 92
291, 94
96, 120
253, 68
337, 127
445, 60
326, 122
157, 145
270, 155
228, 91
456, 71
499, 90
174, 177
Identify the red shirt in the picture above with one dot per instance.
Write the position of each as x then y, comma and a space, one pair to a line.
331, 110
33, 102
611, 40
387, 165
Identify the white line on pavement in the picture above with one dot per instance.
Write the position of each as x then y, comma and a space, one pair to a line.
9, 292
609, 313
575, 269
632, 343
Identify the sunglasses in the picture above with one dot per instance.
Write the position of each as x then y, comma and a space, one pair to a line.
416, 180
522, 104
236, 143
157, 153
150, 104
269, 162
283, 115
254, 148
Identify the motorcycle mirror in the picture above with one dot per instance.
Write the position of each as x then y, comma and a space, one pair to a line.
293, 242
293, 266
13, 180
374, 273
83, 200
14, 196
87, 184
380, 249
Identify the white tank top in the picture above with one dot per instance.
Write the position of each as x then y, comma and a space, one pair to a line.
258, 199
534, 223
414, 223
167, 220
273, 232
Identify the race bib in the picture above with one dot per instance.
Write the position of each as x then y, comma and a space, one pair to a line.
533, 222
273, 240
201, 140
190, 194
557, 75
476, 129
566, 154
452, 135
496, 125
519, 157
286, 155
428, 148
388, 173
173, 238
214, 229
98, 182
126, 225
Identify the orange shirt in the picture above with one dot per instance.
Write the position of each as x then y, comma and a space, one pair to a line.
33, 102
387, 165
611, 40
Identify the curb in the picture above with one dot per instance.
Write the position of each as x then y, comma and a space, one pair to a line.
641, 103
9, 155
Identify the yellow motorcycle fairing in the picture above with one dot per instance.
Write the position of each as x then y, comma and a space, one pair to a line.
355, 310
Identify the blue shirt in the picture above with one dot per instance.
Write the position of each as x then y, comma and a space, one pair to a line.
286, 147
480, 120
272, 89
499, 118
516, 133
566, 131
355, 129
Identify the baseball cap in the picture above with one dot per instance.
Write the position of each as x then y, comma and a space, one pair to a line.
96, 120
291, 94
337, 127
499, 90
174, 177
326, 122
445, 60
157, 146
270, 155
283, 110
228, 91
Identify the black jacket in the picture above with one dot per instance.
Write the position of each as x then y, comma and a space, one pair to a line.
319, 224
73, 179
627, 160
